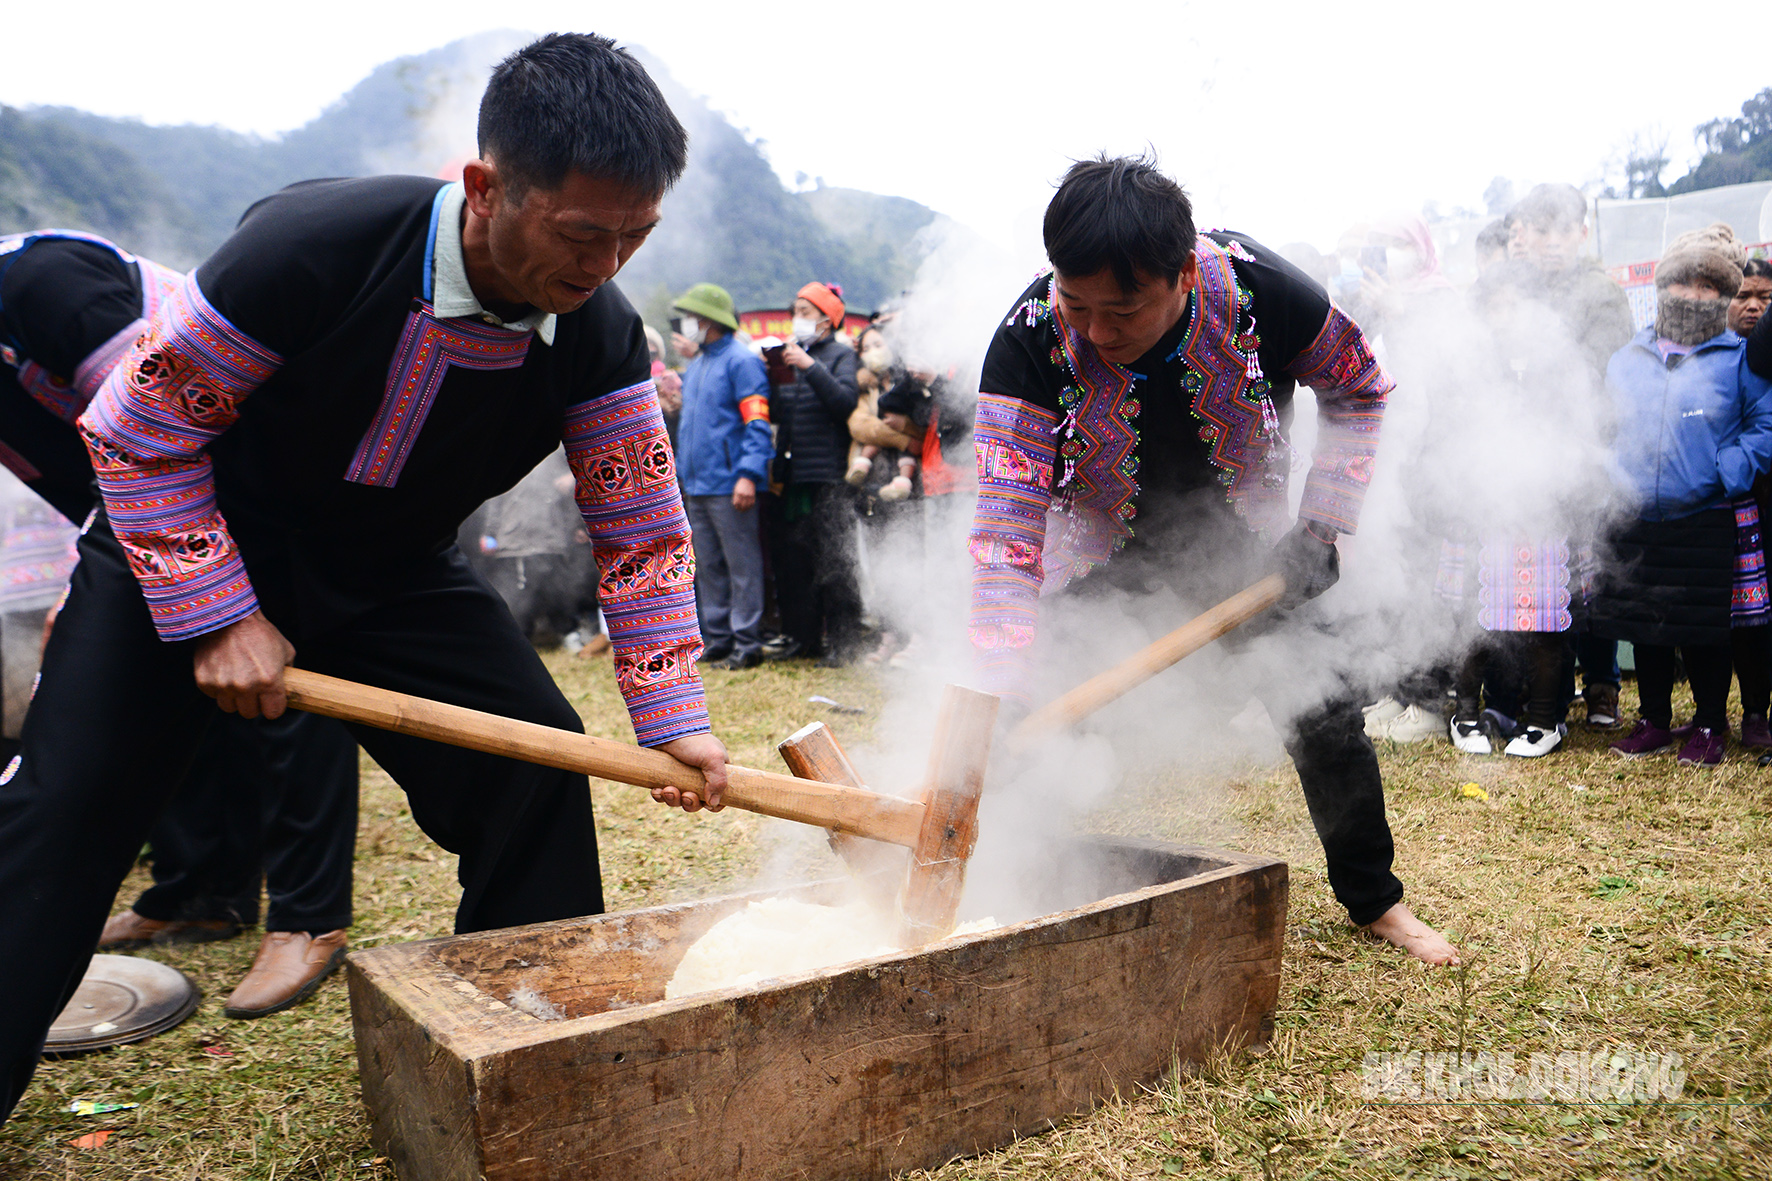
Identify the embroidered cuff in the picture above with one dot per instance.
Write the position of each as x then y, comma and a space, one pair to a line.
179, 386
1335, 490
1015, 449
627, 492
1351, 388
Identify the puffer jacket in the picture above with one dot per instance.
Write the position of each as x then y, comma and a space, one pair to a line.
812, 414
1693, 431
723, 432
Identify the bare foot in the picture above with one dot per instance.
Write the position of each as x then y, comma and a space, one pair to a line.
1401, 928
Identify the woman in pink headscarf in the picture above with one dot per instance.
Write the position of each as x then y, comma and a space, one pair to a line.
1398, 266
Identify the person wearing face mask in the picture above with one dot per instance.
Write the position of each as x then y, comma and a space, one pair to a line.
724, 448
813, 533
1405, 303
1694, 430
876, 368
1399, 267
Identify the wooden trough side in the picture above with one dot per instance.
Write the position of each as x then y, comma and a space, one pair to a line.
1152, 952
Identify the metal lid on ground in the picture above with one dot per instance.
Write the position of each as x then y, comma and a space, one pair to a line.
122, 999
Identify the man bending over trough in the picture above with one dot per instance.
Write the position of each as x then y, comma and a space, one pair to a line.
1131, 437
285, 454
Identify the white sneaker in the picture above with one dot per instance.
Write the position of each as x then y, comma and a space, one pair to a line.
1534, 741
1379, 714
1470, 738
1414, 724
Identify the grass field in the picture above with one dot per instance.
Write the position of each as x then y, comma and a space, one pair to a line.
1600, 905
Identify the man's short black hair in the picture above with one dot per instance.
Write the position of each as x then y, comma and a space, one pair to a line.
1553, 207
1757, 268
1493, 239
1122, 214
574, 102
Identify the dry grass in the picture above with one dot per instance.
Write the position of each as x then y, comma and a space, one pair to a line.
1599, 903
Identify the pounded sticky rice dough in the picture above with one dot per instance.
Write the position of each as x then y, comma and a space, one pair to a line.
779, 937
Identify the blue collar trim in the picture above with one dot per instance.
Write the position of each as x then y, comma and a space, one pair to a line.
431, 242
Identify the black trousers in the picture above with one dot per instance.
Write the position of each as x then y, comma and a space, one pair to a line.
1338, 770
63, 469
549, 594
1707, 670
1748, 647
270, 803
1508, 659
117, 718
817, 584
1206, 557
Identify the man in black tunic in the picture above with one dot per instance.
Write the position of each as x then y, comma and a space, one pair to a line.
285, 457
1131, 433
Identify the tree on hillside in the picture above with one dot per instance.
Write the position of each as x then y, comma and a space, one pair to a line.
1736, 151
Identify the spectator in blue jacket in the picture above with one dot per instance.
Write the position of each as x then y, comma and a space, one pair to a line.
1694, 430
724, 447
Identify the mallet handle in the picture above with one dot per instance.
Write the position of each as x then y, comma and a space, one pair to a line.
846, 809
1147, 662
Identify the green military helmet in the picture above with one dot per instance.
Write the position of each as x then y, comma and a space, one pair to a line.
710, 303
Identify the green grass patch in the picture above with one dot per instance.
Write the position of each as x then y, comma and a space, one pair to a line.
1600, 904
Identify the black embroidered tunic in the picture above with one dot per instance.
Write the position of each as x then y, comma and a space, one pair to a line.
1079, 457
301, 410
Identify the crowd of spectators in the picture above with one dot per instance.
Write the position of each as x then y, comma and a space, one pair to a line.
827, 475
813, 468
1588, 483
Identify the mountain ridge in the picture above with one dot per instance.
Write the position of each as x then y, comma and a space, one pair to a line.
173, 193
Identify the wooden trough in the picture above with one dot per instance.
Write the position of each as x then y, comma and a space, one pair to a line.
1146, 953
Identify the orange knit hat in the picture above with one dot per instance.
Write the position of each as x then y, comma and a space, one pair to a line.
826, 300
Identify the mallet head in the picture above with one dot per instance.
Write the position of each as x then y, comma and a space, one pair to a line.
937, 873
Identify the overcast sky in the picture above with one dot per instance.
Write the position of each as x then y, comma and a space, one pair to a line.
1285, 120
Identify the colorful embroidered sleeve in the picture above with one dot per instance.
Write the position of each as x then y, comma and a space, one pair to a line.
1014, 443
627, 492
1351, 388
179, 386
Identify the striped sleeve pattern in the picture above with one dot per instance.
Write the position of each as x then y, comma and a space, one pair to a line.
627, 491
1351, 388
1015, 447
179, 386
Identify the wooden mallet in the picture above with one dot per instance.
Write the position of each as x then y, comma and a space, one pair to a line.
940, 829
814, 750
1062, 713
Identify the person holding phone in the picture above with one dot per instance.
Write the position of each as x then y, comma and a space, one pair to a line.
813, 536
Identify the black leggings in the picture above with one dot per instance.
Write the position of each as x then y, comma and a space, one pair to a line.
117, 718
1538, 654
1707, 667
1753, 668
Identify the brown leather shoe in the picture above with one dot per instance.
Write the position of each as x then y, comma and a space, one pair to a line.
129, 929
289, 967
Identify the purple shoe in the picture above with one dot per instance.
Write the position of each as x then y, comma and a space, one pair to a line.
1704, 748
1755, 732
1645, 739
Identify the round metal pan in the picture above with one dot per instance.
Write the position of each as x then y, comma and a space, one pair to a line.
122, 999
